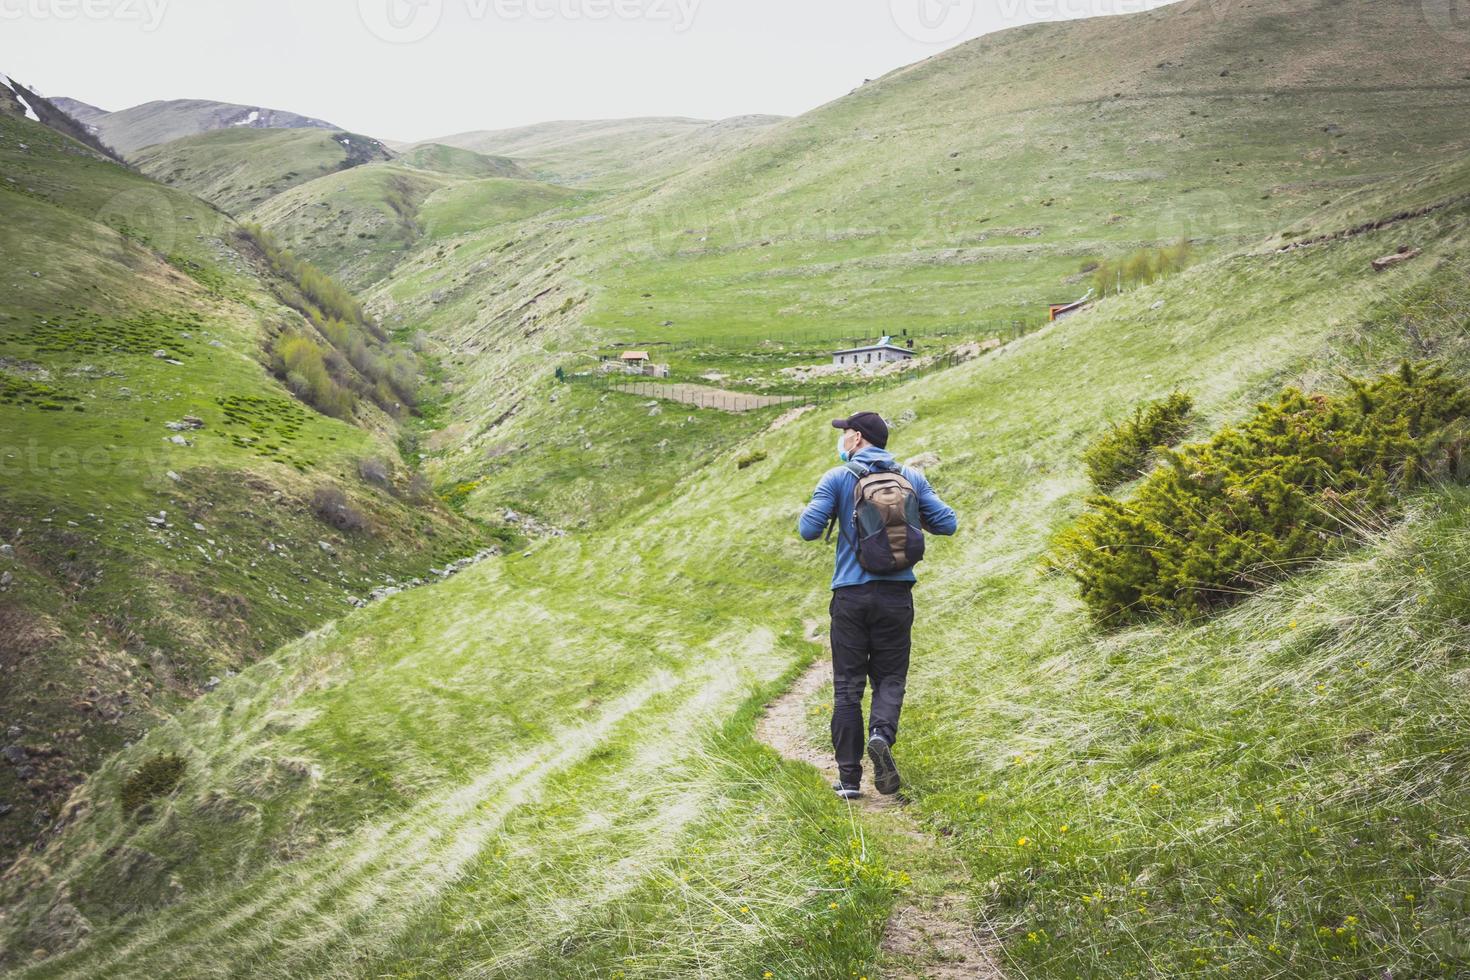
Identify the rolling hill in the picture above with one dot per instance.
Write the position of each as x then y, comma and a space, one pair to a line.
359, 224
1043, 151
130, 130
610, 152
236, 169
466, 163
547, 766
343, 200
620, 817
169, 511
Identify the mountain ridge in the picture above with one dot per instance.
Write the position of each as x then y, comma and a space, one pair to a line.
149, 123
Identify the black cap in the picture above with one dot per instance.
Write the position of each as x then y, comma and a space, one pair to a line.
870, 424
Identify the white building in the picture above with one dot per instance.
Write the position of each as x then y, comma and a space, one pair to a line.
883, 352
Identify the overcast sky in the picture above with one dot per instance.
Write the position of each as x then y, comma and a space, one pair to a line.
412, 69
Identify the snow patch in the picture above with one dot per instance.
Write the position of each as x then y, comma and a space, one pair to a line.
248, 120
30, 113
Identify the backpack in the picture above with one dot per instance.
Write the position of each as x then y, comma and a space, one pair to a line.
885, 518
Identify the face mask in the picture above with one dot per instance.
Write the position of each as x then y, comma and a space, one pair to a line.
842, 453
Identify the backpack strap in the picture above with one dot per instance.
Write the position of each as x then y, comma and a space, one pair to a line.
858, 470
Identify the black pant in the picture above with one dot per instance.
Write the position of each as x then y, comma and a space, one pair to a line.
870, 640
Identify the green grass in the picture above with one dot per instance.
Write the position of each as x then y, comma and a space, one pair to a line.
485, 203
1044, 150
354, 224
364, 761
452, 160
545, 765
604, 153
144, 567
236, 169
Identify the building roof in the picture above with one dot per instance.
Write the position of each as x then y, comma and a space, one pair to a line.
859, 350
635, 355
1068, 307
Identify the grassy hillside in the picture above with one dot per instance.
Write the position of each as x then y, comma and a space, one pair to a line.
130, 130
359, 224
1220, 792
545, 766
466, 163
236, 169
611, 152
299, 184
1043, 151
169, 512
480, 204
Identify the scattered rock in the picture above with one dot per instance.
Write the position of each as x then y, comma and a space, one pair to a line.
923, 462
1157, 305
975, 348
7, 551
1404, 254
5, 579
179, 441
326, 546
173, 476
186, 423
15, 755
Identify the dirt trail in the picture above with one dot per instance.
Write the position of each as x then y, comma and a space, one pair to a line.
932, 933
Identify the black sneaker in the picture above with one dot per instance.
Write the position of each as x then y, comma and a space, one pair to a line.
847, 791
885, 770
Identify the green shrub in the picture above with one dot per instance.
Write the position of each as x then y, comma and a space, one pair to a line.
1126, 449
307, 369
1261, 499
154, 778
361, 361
1138, 268
750, 459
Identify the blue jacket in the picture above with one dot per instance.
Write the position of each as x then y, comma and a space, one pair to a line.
834, 495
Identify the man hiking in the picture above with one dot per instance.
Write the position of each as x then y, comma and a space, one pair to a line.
880, 510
